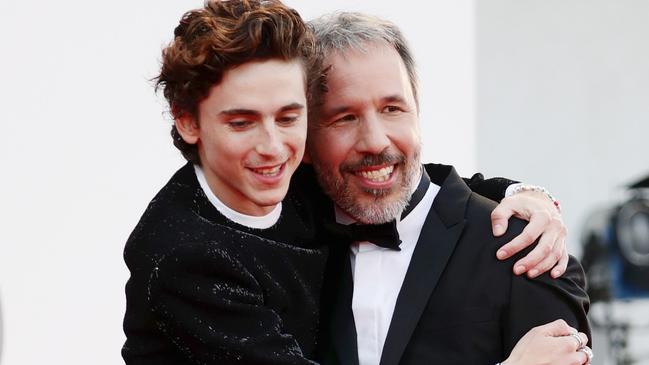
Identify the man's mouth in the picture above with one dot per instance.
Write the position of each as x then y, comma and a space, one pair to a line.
377, 175
268, 171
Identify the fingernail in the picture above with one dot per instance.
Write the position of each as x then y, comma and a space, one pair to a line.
533, 273
498, 229
501, 254
519, 269
556, 273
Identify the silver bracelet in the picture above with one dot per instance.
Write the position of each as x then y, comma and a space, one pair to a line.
526, 187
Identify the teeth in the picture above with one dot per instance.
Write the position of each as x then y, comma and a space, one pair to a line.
269, 172
377, 175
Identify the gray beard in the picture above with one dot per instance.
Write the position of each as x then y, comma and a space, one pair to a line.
378, 211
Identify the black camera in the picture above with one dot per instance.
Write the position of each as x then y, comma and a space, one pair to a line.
616, 248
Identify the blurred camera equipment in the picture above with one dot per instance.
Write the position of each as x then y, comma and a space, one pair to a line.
615, 258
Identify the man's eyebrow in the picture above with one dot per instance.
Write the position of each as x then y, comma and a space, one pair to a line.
240, 111
338, 110
292, 106
394, 99
252, 112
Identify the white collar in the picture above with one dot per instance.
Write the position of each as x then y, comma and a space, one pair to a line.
251, 221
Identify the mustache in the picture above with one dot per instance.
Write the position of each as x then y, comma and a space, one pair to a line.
383, 158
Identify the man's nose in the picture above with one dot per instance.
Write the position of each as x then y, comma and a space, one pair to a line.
372, 138
270, 141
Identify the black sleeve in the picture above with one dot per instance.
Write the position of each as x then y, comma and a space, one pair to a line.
538, 301
211, 308
493, 188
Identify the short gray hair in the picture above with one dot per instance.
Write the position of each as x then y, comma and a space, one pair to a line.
342, 31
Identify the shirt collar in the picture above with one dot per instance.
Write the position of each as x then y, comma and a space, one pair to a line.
259, 222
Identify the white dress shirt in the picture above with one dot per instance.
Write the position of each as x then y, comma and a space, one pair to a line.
378, 274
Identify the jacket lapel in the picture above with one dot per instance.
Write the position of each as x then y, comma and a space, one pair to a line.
436, 243
343, 330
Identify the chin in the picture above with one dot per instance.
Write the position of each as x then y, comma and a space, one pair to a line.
267, 199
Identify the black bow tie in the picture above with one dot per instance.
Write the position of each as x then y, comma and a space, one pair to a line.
383, 235
386, 234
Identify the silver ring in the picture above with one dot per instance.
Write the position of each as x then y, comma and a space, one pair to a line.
576, 336
586, 350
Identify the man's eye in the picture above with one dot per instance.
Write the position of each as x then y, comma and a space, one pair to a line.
392, 109
239, 124
287, 120
345, 119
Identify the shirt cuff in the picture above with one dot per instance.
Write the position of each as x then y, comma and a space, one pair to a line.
510, 192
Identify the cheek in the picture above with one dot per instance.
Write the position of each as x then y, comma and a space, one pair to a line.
338, 147
406, 138
230, 148
331, 156
295, 138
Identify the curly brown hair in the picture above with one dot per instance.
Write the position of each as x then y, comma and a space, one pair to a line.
221, 35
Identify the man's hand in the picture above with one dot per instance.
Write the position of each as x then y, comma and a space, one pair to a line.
552, 343
544, 221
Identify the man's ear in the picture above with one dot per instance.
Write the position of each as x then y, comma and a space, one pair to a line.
187, 128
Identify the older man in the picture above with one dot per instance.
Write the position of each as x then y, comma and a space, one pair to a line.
435, 294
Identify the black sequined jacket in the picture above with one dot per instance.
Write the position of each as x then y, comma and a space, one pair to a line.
206, 290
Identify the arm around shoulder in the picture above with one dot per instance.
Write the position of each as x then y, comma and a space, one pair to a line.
492, 188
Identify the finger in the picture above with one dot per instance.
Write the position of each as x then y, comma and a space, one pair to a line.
577, 340
562, 265
538, 260
548, 262
564, 351
584, 338
500, 218
575, 358
529, 234
588, 352
556, 328
564, 345
544, 266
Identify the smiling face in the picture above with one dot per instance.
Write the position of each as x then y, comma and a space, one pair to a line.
250, 133
364, 141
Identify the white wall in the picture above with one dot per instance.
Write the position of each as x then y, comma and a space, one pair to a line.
563, 96
563, 101
85, 146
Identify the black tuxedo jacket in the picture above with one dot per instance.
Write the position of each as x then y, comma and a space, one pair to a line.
458, 304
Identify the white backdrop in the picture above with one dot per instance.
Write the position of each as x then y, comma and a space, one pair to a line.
565, 86
85, 146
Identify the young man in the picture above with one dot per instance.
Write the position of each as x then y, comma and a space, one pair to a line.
223, 270
438, 296
227, 261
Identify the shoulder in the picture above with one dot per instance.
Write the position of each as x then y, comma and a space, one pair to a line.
171, 213
478, 223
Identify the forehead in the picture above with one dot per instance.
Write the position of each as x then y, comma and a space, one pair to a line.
260, 84
376, 72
